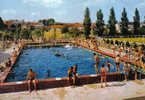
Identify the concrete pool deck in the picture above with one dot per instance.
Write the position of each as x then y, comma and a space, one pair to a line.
114, 91
10, 51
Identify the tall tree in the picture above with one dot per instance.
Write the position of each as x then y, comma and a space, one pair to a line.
47, 22
18, 30
1, 23
50, 21
124, 23
25, 34
44, 22
65, 29
87, 23
75, 32
112, 22
99, 29
136, 23
37, 33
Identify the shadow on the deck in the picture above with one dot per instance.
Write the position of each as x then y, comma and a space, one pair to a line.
136, 98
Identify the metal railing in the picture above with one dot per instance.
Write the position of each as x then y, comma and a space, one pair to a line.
126, 36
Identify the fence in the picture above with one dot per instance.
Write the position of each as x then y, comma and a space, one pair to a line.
126, 36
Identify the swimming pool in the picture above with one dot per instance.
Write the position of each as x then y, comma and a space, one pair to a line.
43, 60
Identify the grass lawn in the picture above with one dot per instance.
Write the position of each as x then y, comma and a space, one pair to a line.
139, 40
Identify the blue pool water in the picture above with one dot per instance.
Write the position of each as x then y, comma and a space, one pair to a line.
43, 60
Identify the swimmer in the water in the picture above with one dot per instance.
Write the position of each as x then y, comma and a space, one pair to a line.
48, 73
58, 54
12, 74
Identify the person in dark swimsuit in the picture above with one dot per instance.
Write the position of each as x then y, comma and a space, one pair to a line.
75, 70
70, 74
117, 62
31, 77
75, 74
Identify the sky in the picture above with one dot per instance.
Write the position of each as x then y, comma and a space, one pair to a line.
68, 11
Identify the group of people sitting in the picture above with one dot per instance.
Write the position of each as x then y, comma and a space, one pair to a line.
32, 78
131, 52
8, 63
127, 69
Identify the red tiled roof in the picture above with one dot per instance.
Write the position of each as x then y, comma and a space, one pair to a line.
69, 25
31, 23
9, 22
52, 26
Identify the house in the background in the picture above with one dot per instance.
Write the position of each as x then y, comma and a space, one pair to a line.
59, 27
118, 26
9, 22
130, 26
30, 25
142, 24
13, 24
37, 25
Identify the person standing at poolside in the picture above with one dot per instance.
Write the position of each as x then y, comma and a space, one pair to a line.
96, 62
103, 75
113, 48
117, 62
140, 50
75, 74
120, 50
31, 77
70, 72
126, 71
108, 66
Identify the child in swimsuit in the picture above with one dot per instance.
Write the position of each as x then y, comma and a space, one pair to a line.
103, 75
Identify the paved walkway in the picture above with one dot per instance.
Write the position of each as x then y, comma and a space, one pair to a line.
4, 55
111, 51
114, 91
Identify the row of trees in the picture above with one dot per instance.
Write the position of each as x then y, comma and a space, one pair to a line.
16, 31
100, 28
2, 25
47, 22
